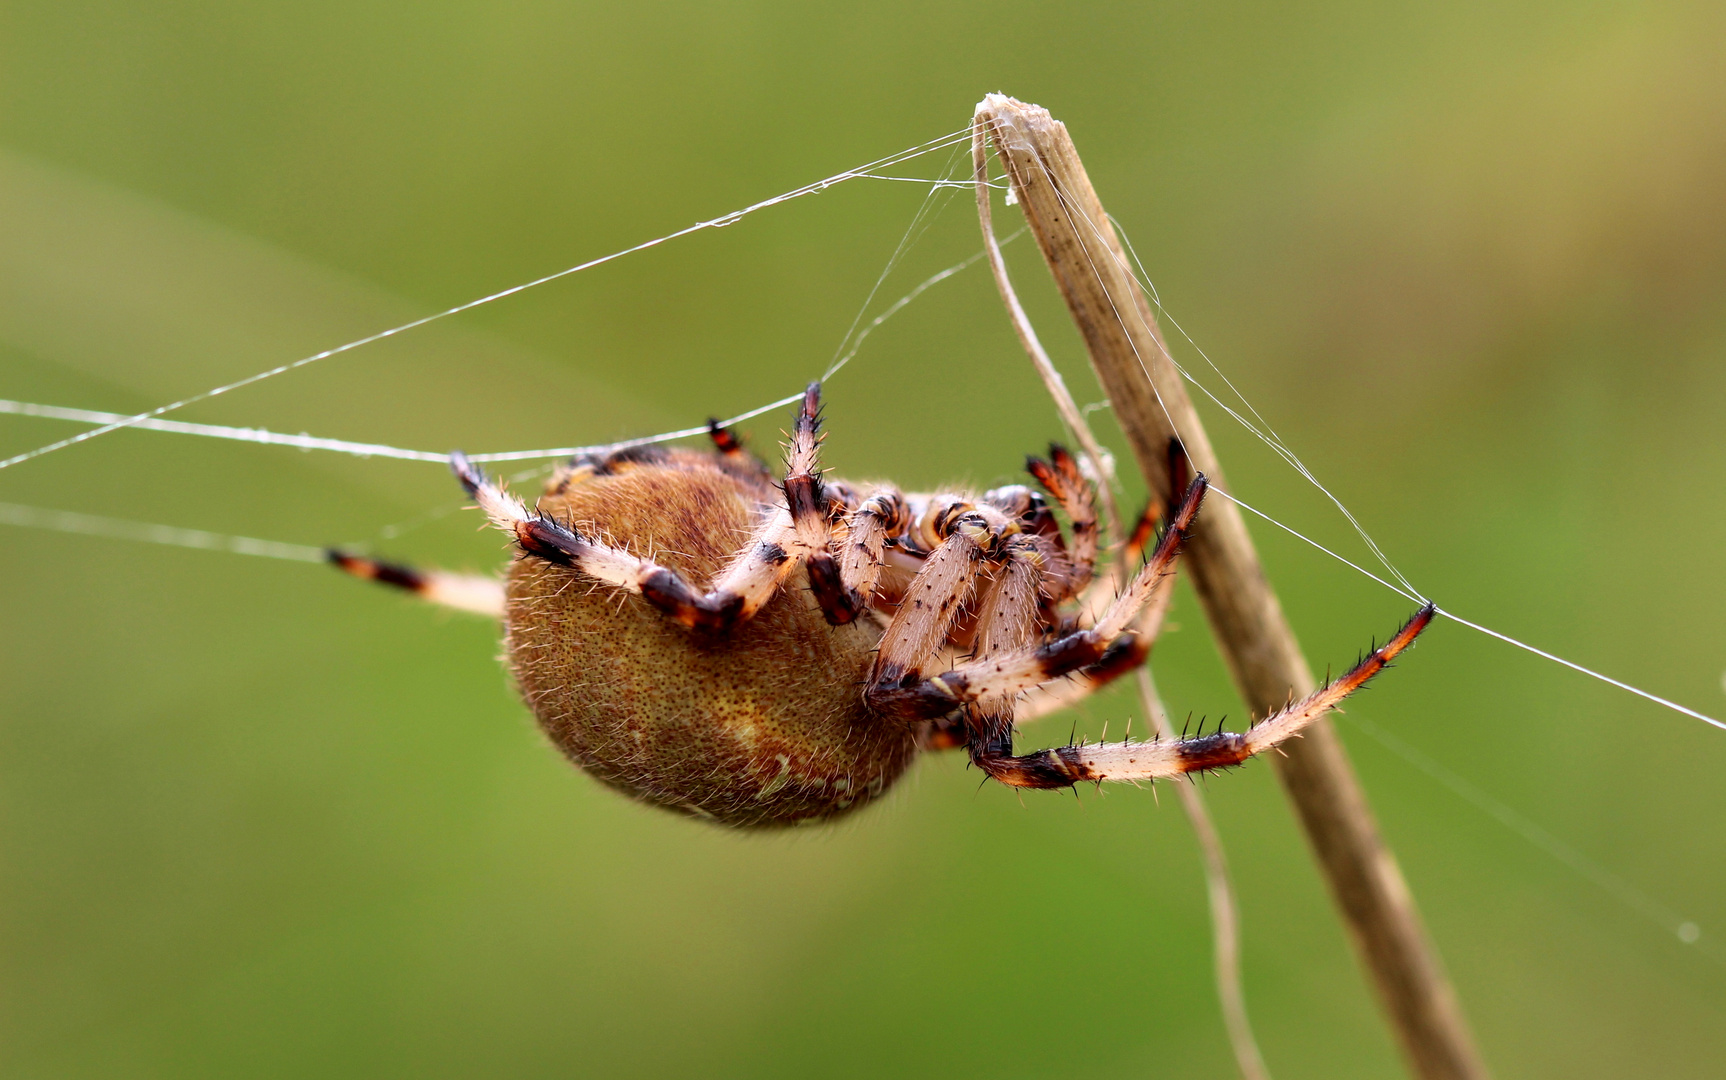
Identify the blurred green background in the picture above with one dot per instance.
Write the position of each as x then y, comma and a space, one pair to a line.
258, 820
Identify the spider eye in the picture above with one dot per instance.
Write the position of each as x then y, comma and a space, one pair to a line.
1015, 499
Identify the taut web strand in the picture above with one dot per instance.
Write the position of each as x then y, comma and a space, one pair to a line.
120, 529
107, 422
302, 441
713, 223
1077, 213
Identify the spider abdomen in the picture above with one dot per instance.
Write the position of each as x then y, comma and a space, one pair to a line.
763, 726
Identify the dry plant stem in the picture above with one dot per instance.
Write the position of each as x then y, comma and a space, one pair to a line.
1064, 403
1225, 922
1150, 403
1225, 919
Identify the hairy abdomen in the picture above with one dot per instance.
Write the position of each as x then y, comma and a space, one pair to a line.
764, 726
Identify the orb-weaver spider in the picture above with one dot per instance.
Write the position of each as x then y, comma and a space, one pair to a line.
690, 669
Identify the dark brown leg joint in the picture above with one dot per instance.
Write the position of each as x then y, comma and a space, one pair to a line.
1056, 768
713, 614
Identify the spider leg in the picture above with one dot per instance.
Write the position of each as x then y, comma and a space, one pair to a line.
732, 451
971, 539
1027, 668
1179, 477
1100, 592
1143, 530
1134, 647
1128, 761
1128, 652
987, 688
1061, 478
793, 533
464, 592
807, 501
1009, 602
862, 553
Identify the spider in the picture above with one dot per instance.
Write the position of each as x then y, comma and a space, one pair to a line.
657, 624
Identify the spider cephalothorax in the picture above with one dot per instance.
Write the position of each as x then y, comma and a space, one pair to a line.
759, 654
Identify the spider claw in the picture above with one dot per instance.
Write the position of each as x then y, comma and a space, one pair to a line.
724, 439
470, 476
810, 411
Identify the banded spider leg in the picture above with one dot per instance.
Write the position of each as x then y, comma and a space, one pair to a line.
795, 532
1009, 665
